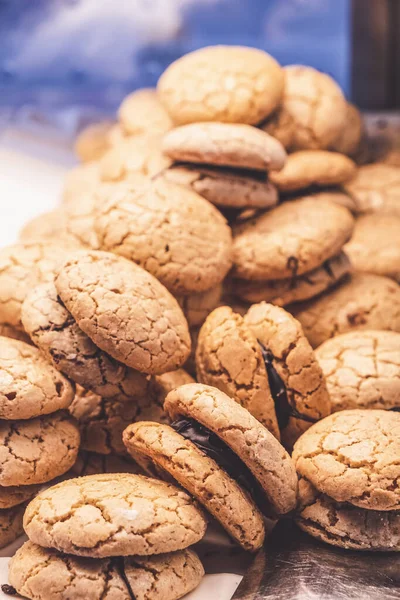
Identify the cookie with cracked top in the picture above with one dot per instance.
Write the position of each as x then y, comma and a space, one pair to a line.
114, 515
33, 572
11, 524
352, 456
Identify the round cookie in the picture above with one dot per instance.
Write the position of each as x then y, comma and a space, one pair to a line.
92, 142
202, 477
29, 386
197, 307
362, 369
375, 245
125, 311
170, 231
225, 187
352, 456
289, 240
11, 524
81, 180
296, 380
141, 113
229, 357
53, 329
361, 301
114, 515
232, 84
224, 144
135, 155
344, 525
376, 189
256, 447
348, 140
286, 291
37, 450
309, 168
42, 574
15, 495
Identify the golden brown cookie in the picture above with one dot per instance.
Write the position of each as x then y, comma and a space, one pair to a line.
376, 189
92, 142
349, 139
11, 524
197, 307
125, 311
16, 494
232, 84
135, 155
141, 113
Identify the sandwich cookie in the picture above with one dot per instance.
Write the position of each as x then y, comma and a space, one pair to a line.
142, 113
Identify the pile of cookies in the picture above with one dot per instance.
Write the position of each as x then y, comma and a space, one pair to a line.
221, 276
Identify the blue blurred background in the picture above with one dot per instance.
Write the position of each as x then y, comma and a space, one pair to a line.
68, 53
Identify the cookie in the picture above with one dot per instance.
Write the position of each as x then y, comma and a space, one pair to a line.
92, 142
37, 450
114, 515
43, 574
290, 240
22, 266
336, 196
81, 180
11, 524
161, 385
135, 155
197, 307
16, 495
282, 126
125, 311
170, 231
206, 410
344, 525
348, 140
198, 473
375, 245
295, 289
352, 456
29, 386
224, 187
296, 380
362, 369
313, 168
376, 189
141, 113
361, 301
53, 329
78, 219
232, 84
91, 463
229, 357
46, 226
224, 144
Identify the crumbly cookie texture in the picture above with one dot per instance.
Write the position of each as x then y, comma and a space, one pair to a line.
233, 84
53, 329
202, 477
125, 311
92, 142
170, 231
349, 139
376, 189
361, 301
42, 574
229, 357
362, 369
308, 168
114, 515
22, 266
344, 525
248, 438
11, 524
29, 386
141, 113
296, 364
291, 239
81, 180
286, 291
352, 456
197, 307
16, 494
225, 187
37, 450
225, 144
375, 245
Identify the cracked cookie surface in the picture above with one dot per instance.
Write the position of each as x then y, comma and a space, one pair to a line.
362, 369
11, 524
170, 231
114, 515
376, 189
134, 155
261, 452
125, 311
37, 450
42, 574
53, 329
362, 301
29, 386
229, 357
353, 456
141, 113
286, 241
222, 83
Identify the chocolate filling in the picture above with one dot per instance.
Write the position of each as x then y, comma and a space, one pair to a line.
395, 409
8, 589
119, 564
209, 443
283, 409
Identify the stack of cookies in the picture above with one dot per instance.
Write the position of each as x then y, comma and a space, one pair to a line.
109, 536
